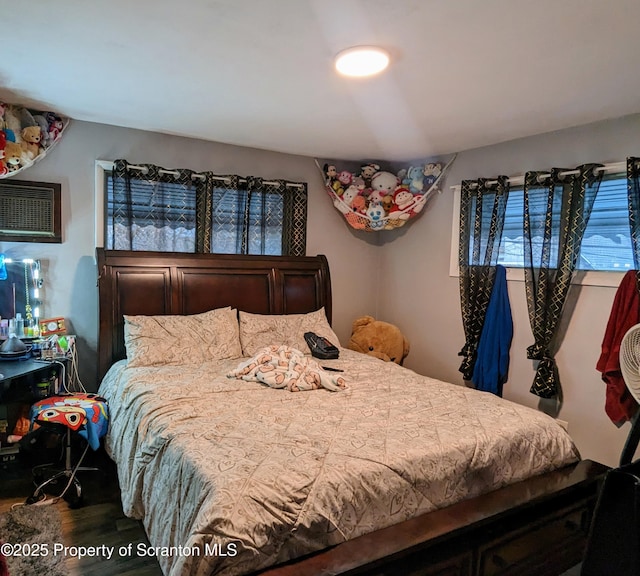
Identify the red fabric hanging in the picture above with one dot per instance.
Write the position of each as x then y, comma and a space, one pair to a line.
620, 405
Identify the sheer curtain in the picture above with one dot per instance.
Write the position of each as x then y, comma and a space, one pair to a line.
153, 208
557, 207
482, 209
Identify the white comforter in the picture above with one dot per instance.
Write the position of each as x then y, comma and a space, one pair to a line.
243, 476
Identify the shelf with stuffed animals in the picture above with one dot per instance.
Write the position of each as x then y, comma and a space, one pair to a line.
374, 199
26, 135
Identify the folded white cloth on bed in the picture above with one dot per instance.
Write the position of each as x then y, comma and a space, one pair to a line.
286, 367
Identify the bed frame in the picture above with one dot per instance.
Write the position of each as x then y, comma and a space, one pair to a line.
537, 527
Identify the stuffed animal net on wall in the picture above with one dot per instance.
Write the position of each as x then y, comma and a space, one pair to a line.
26, 135
372, 198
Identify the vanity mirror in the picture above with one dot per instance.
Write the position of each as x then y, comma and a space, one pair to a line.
21, 293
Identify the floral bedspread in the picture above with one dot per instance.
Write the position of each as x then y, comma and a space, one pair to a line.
238, 476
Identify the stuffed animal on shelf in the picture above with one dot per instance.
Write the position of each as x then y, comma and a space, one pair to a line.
379, 339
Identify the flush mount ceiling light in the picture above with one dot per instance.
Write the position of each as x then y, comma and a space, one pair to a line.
362, 61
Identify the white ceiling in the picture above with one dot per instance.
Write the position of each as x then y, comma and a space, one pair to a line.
259, 73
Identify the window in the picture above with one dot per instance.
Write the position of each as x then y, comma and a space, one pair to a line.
149, 208
606, 245
265, 217
163, 215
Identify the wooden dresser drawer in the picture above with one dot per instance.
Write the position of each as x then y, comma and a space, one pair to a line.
429, 565
515, 553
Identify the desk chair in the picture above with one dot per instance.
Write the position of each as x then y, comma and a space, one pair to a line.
81, 413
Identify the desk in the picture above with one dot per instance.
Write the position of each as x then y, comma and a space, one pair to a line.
18, 389
11, 369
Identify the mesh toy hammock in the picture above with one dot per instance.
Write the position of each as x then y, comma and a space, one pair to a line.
26, 135
376, 199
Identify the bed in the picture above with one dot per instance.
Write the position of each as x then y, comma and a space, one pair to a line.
390, 472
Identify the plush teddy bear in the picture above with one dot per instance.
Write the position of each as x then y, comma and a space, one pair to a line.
12, 156
384, 182
379, 339
31, 136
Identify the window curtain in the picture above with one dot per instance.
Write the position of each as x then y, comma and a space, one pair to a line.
633, 195
150, 209
482, 209
183, 211
557, 207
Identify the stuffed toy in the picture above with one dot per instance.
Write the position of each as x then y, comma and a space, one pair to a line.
379, 339
367, 171
414, 179
375, 212
31, 136
431, 172
384, 182
12, 156
330, 172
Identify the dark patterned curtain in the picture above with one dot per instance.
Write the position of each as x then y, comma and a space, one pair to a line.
150, 208
633, 195
557, 207
482, 209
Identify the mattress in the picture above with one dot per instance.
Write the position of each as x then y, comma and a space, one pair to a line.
230, 476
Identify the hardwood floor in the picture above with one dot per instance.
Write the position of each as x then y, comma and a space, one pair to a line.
100, 521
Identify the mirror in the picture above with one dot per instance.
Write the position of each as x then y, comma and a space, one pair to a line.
21, 290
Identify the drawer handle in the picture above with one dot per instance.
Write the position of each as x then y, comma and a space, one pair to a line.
499, 561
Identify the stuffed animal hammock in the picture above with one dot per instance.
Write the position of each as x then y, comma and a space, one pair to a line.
374, 199
26, 135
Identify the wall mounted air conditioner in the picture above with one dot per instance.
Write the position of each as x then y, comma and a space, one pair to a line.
30, 211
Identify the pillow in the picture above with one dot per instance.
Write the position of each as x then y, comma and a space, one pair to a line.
177, 340
260, 330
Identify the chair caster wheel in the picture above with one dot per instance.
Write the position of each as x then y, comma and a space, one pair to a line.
35, 498
73, 496
74, 500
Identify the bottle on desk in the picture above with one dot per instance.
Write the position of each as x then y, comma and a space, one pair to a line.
19, 326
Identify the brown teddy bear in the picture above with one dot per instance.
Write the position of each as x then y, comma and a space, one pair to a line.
31, 136
12, 156
379, 339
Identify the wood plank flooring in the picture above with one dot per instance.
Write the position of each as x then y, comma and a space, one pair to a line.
100, 521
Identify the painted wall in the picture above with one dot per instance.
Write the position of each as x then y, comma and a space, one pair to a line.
417, 293
70, 269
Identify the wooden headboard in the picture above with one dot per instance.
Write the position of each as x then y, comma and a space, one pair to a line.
153, 283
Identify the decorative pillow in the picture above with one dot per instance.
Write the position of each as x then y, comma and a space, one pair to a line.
260, 330
176, 340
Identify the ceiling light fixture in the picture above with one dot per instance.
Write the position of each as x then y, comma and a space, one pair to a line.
362, 61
